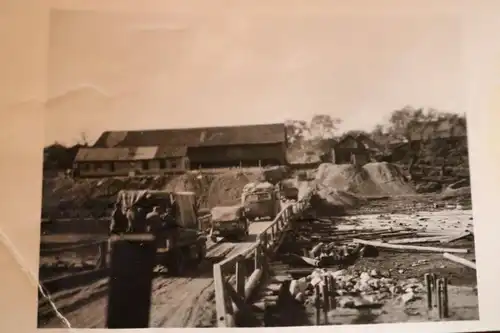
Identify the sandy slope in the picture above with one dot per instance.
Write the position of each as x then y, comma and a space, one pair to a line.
177, 302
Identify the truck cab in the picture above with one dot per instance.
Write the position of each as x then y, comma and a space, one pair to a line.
260, 200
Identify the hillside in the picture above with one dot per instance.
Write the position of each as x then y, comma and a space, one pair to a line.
82, 198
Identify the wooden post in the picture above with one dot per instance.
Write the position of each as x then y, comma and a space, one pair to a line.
429, 290
440, 297
326, 299
103, 255
264, 243
332, 287
240, 278
130, 283
257, 262
317, 303
435, 289
445, 298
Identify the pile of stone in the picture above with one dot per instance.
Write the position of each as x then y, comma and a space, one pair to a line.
357, 290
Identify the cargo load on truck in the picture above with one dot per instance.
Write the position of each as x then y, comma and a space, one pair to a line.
229, 222
170, 216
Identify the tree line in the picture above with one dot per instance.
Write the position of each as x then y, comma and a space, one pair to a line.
401, 126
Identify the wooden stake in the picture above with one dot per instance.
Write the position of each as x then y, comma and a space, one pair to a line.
435, 290
332, 288
440, 297
326, 299
317, 303
428, 285
445, 298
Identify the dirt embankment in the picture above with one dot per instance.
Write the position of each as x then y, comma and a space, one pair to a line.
340, 187
372, 179
86, 198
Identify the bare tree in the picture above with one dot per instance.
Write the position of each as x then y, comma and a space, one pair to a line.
83, 139
323, 126
296, 131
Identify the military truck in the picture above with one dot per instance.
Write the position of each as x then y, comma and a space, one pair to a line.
260, 200
229, 222
180, 242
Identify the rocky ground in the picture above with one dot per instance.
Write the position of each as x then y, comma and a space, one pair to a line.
389, 287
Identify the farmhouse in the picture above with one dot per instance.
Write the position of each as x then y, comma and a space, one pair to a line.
350, 149
176, 150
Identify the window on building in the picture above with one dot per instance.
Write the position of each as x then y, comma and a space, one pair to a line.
97, 165
145, 165
163, 164
173, 164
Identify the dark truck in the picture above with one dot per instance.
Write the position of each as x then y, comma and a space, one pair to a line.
229, 222
260, 200
180, 242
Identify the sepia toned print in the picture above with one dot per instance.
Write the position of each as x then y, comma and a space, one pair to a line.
198, 176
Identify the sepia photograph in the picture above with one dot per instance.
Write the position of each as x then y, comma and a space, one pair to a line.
255, 167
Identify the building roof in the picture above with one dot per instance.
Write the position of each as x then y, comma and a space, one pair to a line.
95, 154
368, 142
195, 137
115, 154
171, 151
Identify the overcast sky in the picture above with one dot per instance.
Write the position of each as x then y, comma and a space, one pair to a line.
187, 67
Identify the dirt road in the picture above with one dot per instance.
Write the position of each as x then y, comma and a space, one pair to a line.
176, 302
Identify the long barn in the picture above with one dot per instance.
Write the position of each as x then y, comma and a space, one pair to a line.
118, 153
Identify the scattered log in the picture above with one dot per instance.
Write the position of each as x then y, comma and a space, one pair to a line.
309, 261
315, 249
457, 237
252, 282
459, 260
417, 240
409, 247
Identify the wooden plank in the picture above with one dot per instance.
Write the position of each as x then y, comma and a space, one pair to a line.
416, 240
459, 260
132, 237
409, 247
74, 280
457, 237
220, 297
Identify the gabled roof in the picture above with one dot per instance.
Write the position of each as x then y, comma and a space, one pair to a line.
195, 137
96, 154
115, 154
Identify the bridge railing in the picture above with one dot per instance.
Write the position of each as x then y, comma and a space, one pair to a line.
237, 277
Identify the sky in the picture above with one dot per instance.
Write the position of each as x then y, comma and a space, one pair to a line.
190, 67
